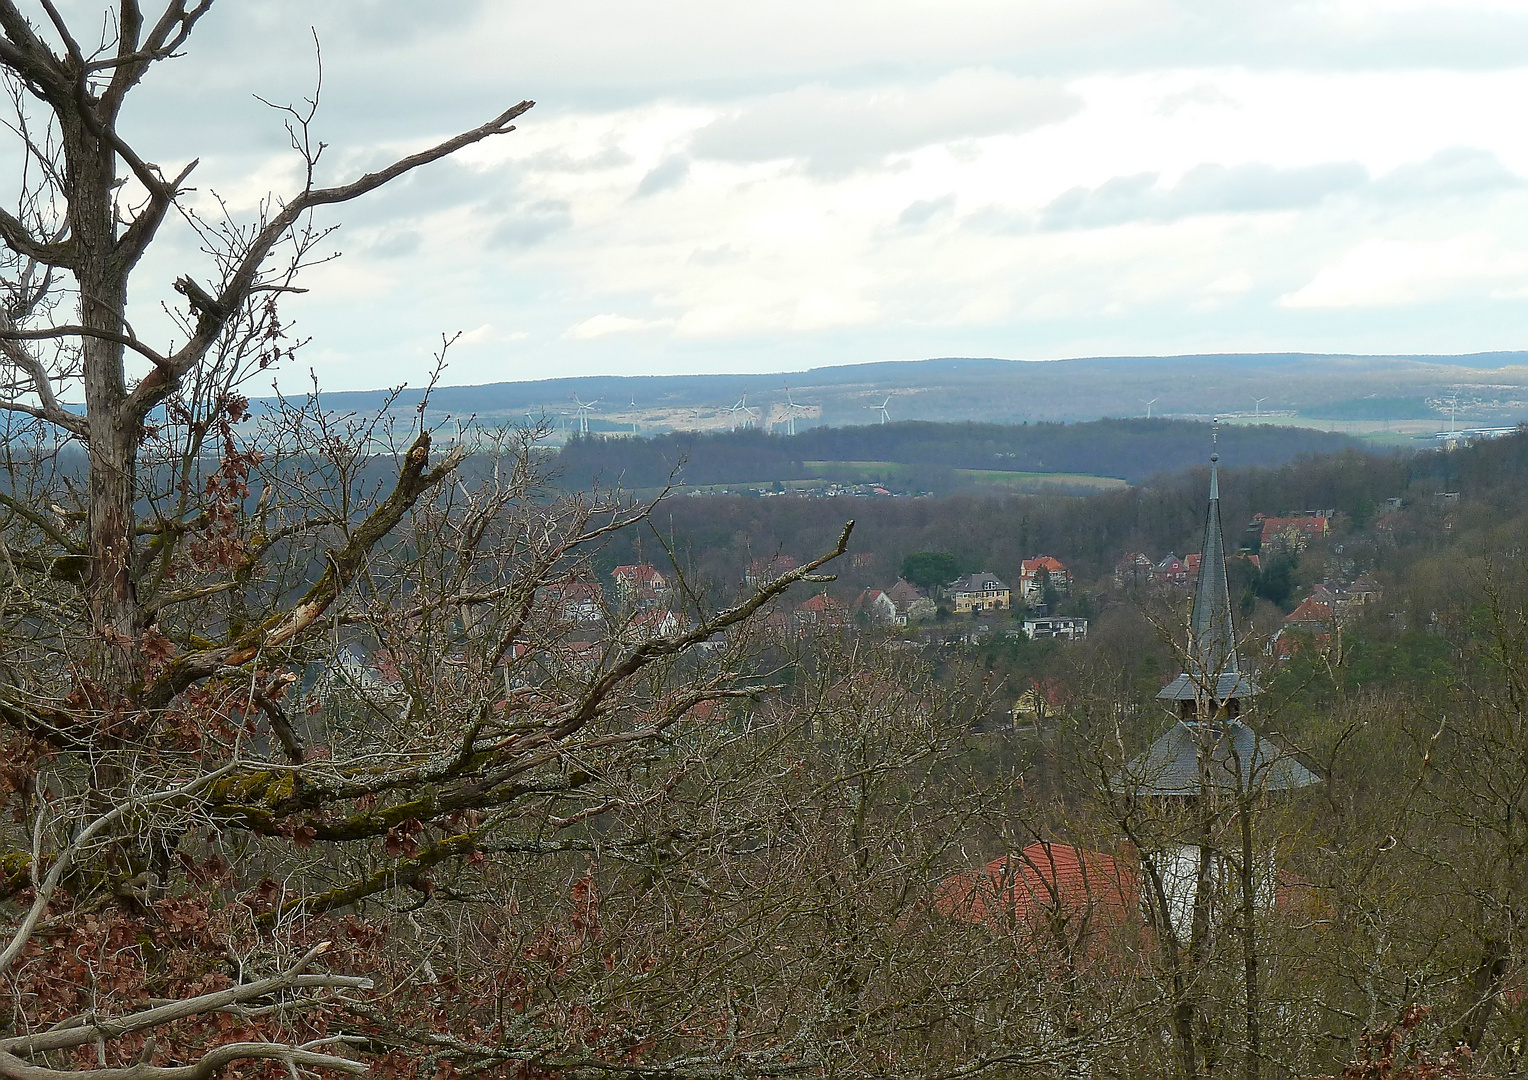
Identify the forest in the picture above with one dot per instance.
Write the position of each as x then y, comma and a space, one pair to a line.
1131, 450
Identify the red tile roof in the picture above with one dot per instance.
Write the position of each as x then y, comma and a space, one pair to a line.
638, 574
1310, 610
1043, 880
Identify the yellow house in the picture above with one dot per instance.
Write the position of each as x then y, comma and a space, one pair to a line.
979, 592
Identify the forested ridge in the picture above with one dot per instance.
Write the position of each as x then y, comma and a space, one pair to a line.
1131, 449
1093, 531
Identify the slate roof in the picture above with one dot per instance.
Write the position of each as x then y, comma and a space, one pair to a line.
1226, 685
1238, 759
1212, 659
975, 583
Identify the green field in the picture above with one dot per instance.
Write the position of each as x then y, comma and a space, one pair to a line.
870, 472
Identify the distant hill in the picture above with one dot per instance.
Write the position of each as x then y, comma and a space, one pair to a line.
1483, 388
1131, 450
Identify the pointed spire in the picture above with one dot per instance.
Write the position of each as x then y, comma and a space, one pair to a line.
1213, 638
1213, 667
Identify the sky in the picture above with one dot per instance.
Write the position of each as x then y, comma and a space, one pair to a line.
771, 186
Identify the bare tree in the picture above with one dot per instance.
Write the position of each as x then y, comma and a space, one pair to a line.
187, 588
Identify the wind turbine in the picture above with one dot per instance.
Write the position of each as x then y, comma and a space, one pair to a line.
1257, 406
881, 408
791, 408
1149, 404
583, 408
748, 412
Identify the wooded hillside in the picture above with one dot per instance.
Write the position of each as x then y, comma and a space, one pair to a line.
1129, 449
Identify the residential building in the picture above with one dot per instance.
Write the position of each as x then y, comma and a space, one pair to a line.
1056, 626
1133, 571
1170, 571
979, 592
640, 583
1042, 699
1043, 885
1312, 616
877, 605
574, 601
821, 611
1289, 534
762, 571
1364, 591
1035, 573
649, 625
911, 604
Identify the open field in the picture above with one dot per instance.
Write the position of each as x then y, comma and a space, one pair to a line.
1412, 434
869, 472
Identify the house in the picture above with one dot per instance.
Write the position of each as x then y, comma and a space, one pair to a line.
1170, 571
574, 601
577, 657
640, 583
980, 592
1279, 534
1311, 615
861, 560
1312, 620
1326, 593
879, 607
910, 603
1055, 626
1191, 564
1036, 573
1043, 698
762, 571
1132, 571
1364, 591
821, 611
649, 625
1047, 889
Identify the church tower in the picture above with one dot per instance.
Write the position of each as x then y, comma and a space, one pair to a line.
1210, 756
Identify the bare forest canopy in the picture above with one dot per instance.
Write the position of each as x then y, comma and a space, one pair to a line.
715, 535
1131, 450
1482, 388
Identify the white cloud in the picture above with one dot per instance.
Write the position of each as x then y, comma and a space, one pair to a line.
836, 130
1386, 273
793, 182
603, 325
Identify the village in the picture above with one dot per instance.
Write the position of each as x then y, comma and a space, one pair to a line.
1044, 602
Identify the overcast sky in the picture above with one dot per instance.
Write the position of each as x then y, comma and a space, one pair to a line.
718, 187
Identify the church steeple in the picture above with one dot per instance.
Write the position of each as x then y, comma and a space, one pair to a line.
1213, 676
1210, 743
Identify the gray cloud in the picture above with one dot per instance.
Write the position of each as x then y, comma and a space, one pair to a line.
925, 210
393, 244
558, 161
1456, 171
716, 256
1257, 187
836, 131
1204, 189
667, 175
530, 224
